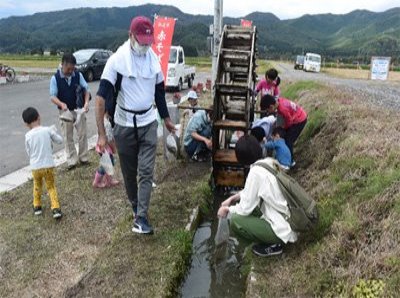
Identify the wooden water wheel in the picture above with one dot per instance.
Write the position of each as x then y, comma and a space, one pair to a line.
233, 101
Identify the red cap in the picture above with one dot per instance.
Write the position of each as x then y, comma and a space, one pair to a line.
142, 29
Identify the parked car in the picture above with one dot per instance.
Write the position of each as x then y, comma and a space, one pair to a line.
299, 62
91, 62
178, 72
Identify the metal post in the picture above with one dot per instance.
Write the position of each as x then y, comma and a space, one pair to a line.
221, 17
217, 36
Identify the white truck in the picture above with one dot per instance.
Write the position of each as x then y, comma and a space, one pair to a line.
312, 62
178, 72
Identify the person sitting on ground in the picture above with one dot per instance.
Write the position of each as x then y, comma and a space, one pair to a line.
294, 116
270, 230
193, 102
267, 123
278, 144
197, 138
38, 144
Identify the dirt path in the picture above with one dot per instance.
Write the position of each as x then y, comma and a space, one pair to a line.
380, 93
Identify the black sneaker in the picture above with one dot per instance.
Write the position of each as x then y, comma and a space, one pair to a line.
37, 210
264, 250
142, 226
57, 213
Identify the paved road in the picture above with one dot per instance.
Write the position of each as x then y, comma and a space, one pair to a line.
15, 98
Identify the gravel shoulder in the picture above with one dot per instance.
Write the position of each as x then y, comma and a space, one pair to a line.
380, 93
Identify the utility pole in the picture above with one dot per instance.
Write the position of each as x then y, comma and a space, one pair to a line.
218, 23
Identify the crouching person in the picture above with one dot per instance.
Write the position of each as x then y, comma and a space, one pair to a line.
197, 137
268, 229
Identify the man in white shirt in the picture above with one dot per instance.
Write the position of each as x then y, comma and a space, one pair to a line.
271, 229
135, 71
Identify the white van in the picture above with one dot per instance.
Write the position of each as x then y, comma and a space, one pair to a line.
312, 62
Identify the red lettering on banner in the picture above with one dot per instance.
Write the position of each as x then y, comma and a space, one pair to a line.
163, 33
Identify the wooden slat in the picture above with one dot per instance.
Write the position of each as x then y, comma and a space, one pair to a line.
225, 156
229, 178
226, 124
237, 58
237, 69
234, 90
237, 35
235, 51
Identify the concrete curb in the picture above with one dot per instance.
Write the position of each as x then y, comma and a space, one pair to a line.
194, 219
21, 176
250, 283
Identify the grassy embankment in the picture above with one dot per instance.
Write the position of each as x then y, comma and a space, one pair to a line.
348, 158
92, 251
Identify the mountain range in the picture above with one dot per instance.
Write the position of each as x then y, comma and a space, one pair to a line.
357, 35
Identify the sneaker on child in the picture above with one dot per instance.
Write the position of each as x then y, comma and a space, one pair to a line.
37, 210
57, 213
265, 250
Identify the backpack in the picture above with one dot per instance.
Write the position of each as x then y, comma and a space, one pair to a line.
303, 209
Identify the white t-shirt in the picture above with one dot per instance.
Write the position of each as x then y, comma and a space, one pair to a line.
137, 93
38, 145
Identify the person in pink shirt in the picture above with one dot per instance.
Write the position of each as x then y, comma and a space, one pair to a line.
294, 116
269, 85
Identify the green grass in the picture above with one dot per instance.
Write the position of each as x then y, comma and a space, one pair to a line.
92, 249
315, 123
263, 66
293, 91
30, 61
201, 63
356, 183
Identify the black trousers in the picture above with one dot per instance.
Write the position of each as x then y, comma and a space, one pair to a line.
292, 134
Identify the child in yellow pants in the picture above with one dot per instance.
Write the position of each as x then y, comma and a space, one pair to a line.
48, 176
38, 143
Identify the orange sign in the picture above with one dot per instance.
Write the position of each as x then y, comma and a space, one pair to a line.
246, 23
163, 32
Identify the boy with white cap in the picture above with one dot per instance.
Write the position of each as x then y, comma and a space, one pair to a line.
192, 99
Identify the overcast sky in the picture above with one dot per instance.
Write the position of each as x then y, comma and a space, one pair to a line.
284, 9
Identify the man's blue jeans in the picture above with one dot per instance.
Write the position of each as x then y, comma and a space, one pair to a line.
195, 146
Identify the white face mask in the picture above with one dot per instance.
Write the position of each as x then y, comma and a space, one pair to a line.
140, 49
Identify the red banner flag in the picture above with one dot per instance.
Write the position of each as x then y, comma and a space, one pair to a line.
163, 32
246, 23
